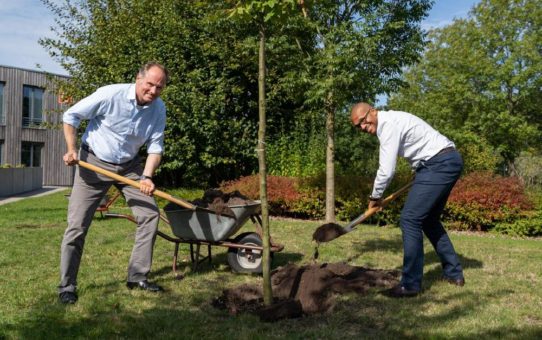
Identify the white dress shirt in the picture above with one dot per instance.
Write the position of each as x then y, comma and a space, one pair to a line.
118, 127
405, 135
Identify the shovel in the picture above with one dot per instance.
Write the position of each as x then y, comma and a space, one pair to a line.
136, 184
331, 231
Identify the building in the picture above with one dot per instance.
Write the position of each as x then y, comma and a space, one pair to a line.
31, 124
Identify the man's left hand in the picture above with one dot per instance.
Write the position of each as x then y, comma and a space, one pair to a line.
375, 204
147, 186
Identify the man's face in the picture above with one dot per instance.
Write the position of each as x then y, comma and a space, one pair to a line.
365, 120
148, 87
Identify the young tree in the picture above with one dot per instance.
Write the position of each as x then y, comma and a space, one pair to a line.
260, 13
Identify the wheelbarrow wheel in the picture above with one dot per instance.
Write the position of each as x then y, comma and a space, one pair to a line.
246, 260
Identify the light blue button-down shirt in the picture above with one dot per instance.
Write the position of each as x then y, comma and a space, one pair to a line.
118, 127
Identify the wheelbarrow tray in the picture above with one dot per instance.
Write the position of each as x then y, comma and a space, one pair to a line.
206, 225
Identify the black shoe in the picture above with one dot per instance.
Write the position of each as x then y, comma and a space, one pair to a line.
144, 285
67, 298
458, 282
400, 292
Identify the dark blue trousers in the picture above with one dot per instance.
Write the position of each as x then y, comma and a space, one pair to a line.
426, 199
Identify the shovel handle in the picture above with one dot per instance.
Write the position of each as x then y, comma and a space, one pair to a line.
372, 211
135, 184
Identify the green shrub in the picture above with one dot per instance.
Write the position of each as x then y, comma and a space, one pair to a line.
480, 200
523, 227
477, 153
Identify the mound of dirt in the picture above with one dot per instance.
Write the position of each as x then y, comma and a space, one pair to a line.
220, 202
308, 289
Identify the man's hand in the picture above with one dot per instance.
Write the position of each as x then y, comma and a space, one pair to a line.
375, 204
70, 158
147, 186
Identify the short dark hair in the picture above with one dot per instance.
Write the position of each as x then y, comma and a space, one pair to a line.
147, 66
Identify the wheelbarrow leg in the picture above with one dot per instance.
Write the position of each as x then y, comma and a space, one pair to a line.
195, 256
175, 253
256, 219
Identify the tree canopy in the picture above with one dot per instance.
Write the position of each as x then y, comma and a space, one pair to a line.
483, 75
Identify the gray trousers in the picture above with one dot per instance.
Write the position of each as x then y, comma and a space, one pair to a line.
89, 188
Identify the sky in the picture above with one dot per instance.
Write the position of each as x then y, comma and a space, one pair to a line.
23, 22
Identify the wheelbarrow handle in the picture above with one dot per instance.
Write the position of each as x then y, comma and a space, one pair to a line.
372, 211
136, 184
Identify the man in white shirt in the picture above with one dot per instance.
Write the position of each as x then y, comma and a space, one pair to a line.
122, 118
438, 165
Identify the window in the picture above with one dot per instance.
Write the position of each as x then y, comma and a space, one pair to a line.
2, 118
31, 154
32, 105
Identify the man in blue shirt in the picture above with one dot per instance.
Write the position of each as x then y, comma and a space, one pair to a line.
438, 165
122, 118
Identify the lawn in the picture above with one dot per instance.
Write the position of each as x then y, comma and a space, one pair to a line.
501, 299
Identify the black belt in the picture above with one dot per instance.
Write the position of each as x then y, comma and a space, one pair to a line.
89, 150
445, 150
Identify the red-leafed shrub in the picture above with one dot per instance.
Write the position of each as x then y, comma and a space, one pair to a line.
480, 200
283, 194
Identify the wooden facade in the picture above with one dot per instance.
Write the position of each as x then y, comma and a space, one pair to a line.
48, 134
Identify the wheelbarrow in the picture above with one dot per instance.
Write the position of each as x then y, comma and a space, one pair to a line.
198, 226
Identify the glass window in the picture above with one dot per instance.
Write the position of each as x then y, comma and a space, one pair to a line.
32, 105
31, 154
2, 119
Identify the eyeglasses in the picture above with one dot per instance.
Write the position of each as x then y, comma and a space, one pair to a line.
362, 120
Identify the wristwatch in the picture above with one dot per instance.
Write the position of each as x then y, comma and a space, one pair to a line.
142, 177
371, 198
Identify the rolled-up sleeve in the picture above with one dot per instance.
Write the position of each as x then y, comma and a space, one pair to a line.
85, 109
155, 143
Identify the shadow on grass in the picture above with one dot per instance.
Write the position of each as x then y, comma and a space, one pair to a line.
168, 316
396, 246
219, 263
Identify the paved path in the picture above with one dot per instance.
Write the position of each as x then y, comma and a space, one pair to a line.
46, 190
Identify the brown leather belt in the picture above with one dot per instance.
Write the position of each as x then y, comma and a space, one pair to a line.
445, 150
89, 150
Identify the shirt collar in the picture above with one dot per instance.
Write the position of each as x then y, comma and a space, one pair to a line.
131, 92
132, 96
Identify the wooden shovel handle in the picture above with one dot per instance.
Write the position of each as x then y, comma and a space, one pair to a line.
372, 211
136, 184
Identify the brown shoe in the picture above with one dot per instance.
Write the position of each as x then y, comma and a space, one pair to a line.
400, 292
458, 282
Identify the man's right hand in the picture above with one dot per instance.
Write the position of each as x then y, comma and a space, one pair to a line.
70, 158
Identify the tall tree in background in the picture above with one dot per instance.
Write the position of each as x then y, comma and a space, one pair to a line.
483, 75
361, 48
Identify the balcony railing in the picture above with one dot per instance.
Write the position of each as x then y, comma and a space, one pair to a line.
31, 122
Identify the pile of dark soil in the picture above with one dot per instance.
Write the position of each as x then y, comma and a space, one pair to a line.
304, 290
220, 202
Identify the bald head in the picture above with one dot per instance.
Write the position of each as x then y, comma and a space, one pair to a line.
365, 117
358, 111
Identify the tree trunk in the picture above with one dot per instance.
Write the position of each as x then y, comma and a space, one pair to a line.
330, 160
266, 263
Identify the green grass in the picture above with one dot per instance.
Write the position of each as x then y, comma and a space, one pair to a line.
502, 297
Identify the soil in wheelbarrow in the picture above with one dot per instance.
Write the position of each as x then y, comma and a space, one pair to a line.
305, 290
220, 202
